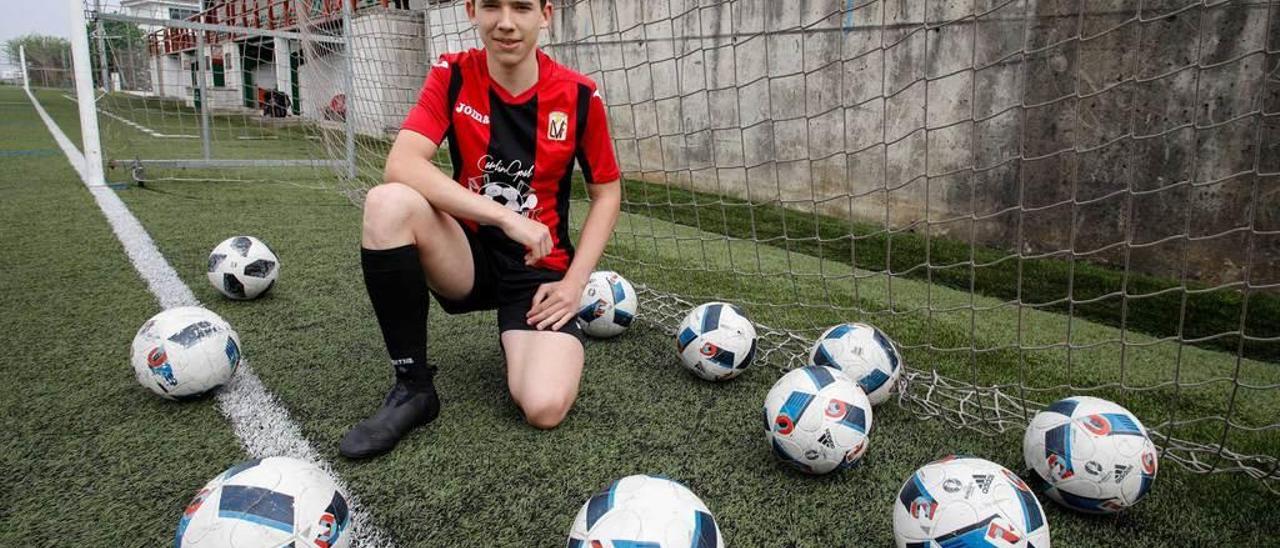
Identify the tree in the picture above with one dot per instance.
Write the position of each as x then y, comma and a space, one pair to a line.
126, 46
48, 59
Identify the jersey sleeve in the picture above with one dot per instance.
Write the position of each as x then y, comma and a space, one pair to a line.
595, 152
430, 115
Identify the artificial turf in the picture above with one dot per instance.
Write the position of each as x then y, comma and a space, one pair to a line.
479, 475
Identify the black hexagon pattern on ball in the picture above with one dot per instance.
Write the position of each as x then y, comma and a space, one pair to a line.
241, 244
232, 286
260, 268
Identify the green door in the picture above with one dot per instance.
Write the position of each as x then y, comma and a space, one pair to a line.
295, 90
249, 88
195, 85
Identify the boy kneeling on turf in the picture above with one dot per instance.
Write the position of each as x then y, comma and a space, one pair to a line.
496, 236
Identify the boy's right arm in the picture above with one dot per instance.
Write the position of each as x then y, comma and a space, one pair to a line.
410, 163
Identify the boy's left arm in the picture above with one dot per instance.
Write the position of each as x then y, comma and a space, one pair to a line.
556, 303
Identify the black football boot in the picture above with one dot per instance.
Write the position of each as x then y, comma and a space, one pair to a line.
409, 405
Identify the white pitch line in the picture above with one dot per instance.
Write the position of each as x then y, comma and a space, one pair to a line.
261, 423
136, 125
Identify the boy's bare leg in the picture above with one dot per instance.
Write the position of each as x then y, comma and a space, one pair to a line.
543, 372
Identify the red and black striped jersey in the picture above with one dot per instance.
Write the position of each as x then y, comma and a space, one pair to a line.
518, 150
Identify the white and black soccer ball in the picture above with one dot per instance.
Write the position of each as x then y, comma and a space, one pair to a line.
1093, 455
510, 197
968, 501
716, 341
184, 352
864, 354
242, 267
608, 305
817, 420
276, 501
644, 510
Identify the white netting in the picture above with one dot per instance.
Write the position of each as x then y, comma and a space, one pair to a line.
1034, 198
48, 62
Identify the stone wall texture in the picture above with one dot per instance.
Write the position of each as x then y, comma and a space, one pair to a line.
1138, 131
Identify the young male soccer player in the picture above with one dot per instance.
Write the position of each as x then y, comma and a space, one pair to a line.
496, 235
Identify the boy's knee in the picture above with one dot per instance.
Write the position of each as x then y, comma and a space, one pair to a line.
545, 412
388, 208
392, 200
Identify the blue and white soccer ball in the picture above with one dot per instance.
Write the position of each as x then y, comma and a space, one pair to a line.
1093, 455
864, 354
608, 305
184, 352
242, 268
817, 420
644, 510
716, 341
968, 501
276, 501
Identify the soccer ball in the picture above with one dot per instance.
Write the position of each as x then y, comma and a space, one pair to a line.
276, 501
716, 341
608, 305
865, 355
184, 352
968, 501
644, 511
509, 196
817, 420
243, 267
1093, 455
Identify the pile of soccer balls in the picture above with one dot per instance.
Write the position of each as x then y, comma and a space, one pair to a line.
188, 352
1088, 454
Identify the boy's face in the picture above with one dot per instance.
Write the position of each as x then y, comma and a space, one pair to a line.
509, 28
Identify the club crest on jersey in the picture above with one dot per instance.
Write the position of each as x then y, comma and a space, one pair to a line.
557, 126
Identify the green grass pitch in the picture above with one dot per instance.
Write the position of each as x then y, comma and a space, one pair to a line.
94, 459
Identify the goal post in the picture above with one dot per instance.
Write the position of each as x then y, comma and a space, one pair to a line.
91, 143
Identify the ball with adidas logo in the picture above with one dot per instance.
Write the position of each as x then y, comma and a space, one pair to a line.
817, 420
863, 353
968, 501
716, 341
608, 305
1093, 455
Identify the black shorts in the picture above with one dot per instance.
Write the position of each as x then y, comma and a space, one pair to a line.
503, 282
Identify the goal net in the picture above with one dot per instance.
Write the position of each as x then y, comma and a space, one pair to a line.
1034, 198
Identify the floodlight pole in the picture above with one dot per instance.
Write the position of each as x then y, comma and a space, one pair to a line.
349, 115
22, 64
102, 46
92, 143
201, 71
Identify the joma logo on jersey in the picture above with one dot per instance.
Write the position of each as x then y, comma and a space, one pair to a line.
557, 126
466, 109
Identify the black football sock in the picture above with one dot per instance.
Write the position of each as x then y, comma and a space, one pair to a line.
397, 289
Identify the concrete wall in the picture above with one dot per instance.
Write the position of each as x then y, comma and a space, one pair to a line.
1011, 130
390, 63
169, 77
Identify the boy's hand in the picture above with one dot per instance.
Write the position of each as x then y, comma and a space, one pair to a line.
555, 303
533, 235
